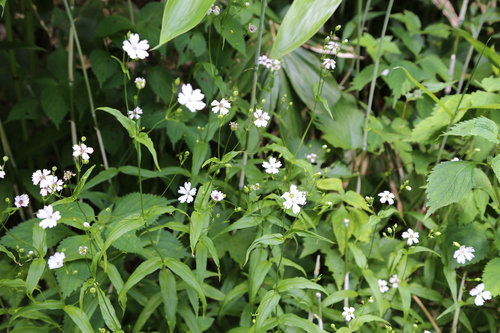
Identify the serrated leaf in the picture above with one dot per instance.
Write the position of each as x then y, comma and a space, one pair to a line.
470, 235
103, 65
160, 80
27, 108
55, 104
68, 280
301, 22
449, 182
480, 126
112, 24
490, 277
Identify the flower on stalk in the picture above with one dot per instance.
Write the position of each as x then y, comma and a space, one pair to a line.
329, 64
56, 261
382, 284
217, 195
294, 199
192, 99
82, 150
135, 47
272, 166
312, 157
233, 125
222, 106
140, 82
481, 294
386, 196
394, 280
2, 173
214, 9
40, 177
348, 313
464, 253
83, 250
252, 28
48, 216
332, 47
261, 118
136, 113
68, 174
21, 200
187, 193
412, 236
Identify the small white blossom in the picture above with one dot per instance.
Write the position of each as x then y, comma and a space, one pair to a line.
252, 28
68, 174
56, 261
294, 199
247, 4
272, 166
233, 125
214, 9
394, 280
481, 294
312, 157
83, 250
48, 216
263, 60
40, 177
21, 200
386, 196
454, 159
385, 72
217, 195
136, 48
329, 64
261, 118
222, 106
382, 284
2, 173
140, 82
82, 150
348, 313
332, 47
412, 236
187, 193
86, 225
135, 113
463, 253
192, 99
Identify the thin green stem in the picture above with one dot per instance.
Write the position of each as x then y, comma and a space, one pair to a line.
131, 10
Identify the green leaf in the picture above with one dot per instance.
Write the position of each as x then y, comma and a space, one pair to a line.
79, 317
293, 320
27, 108
490, 276
160, 80
180, 16
298, 283
55, 104
331, 184
449, 182
301, 22
269, 239
9, 254
129, 223
103, 65
185, 273
67, 279
488, 52
470, 235
144, 269
338, 296
149, 308
110, 25
108, 311
480, 126
267, 305
35, 272
144, 139
168, 288
102, 176
199, 221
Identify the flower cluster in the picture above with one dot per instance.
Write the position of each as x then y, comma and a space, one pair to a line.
332, 47
48, 183
272, 64
294, 199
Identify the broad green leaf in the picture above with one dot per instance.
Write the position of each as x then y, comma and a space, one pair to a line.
267, 305
338, 296
74, 274
331, 184
108, 311
168, 288
129, 223
495, 165
55, 104
359, 256
449, 182
100, 177
404, 292
79, 317
301, 22
491, 84
293, 320
145, 140
35, 272
185, 273
144, 269
26, 311
103, 65
259, 267
233, 295
490, 277
180, 16
112, 24
373, 282
149, 308
160, 80
470, 235
355, 200
198, 223
269, 239
480, 126
27, 108
298, 283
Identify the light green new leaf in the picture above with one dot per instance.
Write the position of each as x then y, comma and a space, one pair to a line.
35, 272
449, 182
79, 317
495, 164
298, 283
180, 16
490, 277
8, 253
81, 183
480, 126
145, 140
481, 48
301, 22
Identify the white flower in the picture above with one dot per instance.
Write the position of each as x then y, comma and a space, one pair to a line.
454, 159
464, 253
332, 47
261, 118
329, 64
214, 9
382, 284
252, 28
412, 236
263, 60
67, 175
40, 177
385, 72
217, 195
272, 166
21, 201
386, 196
348, 313
187, 193
56, 261
426, 331
312, 157
233, 125
481, 294
2, 173
82, 150
136, 113
275, 65
83, 250
135, 48
394, 280
191, 99
294, 199
48, 216
86, 225
140, 82
222, 106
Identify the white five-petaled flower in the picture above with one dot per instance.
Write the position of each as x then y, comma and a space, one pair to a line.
40, 177
190, 98
217, 195
382, 284
214, 9
272, 166
294, 199
386, 196
332, 47
481, 294
2, 173
394, 280
329, 64
312, 157
57, 260
187, 193
463, 253
348, 313
51, 184
261, 118
21, 200
48, 216
136, 48
140, 82
412, 236
82, 150
135, 113
222, 106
